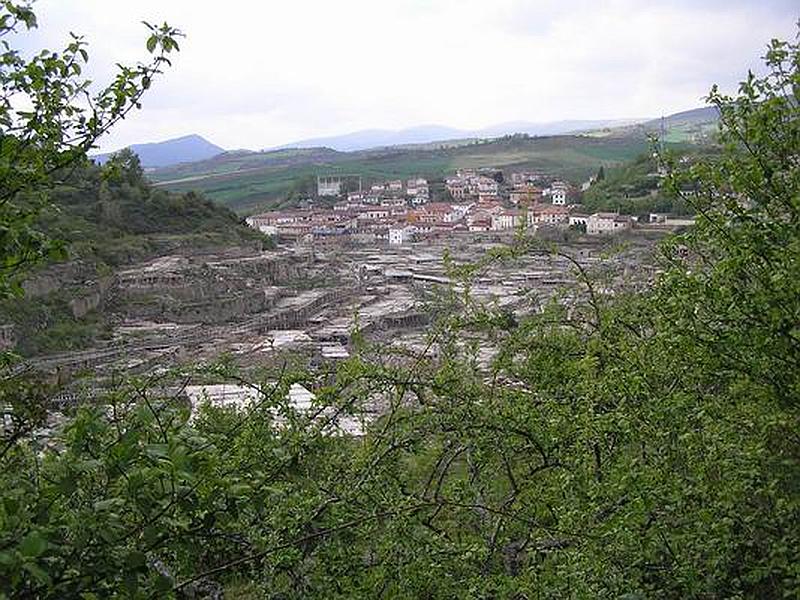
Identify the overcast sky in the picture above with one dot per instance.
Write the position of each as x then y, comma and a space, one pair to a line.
255, 74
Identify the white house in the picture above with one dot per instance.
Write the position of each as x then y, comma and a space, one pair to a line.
457, 190
393, 202
417, 186
420, 198
401, 234
600, 223
268, 222
460, 211
507, 219
438, 212
376, 213
669, 221
329, 186
480, 223
548, 214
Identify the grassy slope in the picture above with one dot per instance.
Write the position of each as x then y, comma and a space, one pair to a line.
250, 182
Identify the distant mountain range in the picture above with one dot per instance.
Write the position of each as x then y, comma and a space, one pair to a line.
194, 148
376, 138
189, 148
247, 181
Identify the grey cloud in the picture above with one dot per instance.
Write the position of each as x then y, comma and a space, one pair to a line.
281, 75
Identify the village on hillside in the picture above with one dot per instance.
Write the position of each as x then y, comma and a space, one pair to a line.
475, 201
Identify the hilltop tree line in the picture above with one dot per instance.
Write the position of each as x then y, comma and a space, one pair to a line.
635, 445
113, 214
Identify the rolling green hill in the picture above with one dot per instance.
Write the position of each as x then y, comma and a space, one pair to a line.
251, 181
247, 182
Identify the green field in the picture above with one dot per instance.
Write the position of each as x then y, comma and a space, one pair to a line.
248, 182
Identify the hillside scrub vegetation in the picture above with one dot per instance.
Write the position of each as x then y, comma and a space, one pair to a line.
636, 445
113, 214
105, 218
636, 189
55, 204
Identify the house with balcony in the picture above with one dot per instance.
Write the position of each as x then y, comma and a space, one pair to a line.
510, 218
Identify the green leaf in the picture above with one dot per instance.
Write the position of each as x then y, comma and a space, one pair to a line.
135, 560
164, 583
240, 490
33, 544
108, 504
157, 450
38, 573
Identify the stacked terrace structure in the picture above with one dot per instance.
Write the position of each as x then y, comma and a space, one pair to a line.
202, 289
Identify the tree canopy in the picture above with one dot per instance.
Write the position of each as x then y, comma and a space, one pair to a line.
50, 117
